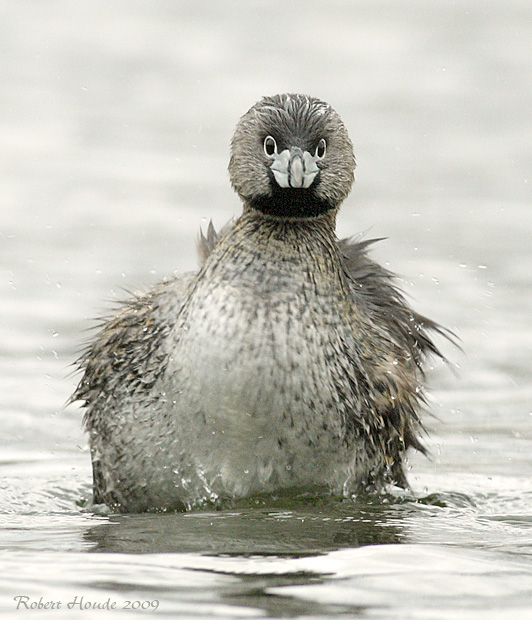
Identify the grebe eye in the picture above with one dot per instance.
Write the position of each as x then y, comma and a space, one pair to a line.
321, 149
270, 146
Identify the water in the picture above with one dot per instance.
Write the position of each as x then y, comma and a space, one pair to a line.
115, 120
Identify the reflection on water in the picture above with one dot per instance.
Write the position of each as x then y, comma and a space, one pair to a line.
307, 525
316, 528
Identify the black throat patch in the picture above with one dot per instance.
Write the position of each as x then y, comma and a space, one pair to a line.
292, 202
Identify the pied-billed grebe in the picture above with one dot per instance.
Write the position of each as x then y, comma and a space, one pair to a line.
289, 359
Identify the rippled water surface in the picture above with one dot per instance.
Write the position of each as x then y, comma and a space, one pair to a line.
115, 119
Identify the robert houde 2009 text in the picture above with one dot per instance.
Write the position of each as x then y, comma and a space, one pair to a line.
81, 603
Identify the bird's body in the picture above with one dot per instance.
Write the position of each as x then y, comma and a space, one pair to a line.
288, 360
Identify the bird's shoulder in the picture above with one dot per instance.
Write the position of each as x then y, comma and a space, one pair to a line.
208, 241
376, 289
126, 349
